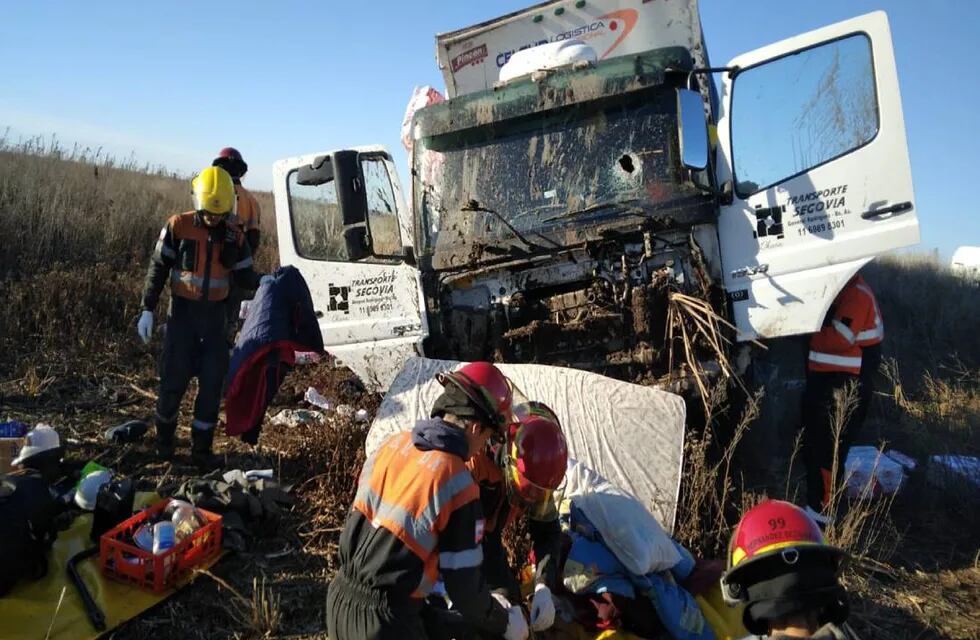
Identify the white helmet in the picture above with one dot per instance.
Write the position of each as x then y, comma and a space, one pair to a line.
41, 438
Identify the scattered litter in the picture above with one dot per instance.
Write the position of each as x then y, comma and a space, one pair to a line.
906, 461
296, 417
345, 411
132, 431
869, 472
362, 415
943, 469
317, 400
244, 477
306, 357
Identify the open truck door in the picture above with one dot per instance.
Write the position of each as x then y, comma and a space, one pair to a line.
812, 144
341, 220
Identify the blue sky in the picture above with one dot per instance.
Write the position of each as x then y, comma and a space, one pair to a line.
172, 82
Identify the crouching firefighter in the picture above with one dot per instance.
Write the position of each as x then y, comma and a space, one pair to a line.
199, 252
784, 573
517, 479
416, 520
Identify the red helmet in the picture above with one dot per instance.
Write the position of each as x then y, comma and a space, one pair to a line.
537, 456
525, 409
774, 541
487, 388
231, 161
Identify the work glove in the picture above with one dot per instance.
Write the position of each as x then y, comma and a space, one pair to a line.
542, 608
145, 326
265, 279
516, 624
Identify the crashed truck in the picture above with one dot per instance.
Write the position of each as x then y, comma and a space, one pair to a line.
589, 171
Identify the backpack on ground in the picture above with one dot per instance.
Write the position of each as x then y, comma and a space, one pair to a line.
27, 527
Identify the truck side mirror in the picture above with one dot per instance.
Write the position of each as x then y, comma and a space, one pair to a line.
692, 129
315, 174
408, 255
351, 196
356, 242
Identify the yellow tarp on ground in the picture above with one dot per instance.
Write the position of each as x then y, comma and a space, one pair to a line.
27, 611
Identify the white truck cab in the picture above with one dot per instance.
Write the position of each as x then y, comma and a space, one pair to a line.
548, 214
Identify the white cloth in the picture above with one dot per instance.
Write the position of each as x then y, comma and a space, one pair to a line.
630, 531
631, 435
145, 326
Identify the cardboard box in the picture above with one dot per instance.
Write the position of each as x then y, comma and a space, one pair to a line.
9, 449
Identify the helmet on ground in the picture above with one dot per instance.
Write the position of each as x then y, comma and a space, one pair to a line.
39, 440
214, 192
231, 161
487, 389
537, 456
779, 564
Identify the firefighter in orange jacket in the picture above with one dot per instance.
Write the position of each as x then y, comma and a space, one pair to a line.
517, 480
847, 349
200, 252
247, 206
417, 519
247, 214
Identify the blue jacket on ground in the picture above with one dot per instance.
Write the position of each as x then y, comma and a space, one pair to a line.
281, 321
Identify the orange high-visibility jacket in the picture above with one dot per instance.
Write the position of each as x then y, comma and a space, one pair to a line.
412, 494
200, 260
854, 322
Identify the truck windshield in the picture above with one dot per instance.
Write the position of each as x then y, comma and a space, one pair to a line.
556, 177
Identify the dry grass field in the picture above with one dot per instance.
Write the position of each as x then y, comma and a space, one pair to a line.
76, 231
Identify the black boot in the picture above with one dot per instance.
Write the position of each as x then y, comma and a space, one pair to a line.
201, 441
165, 439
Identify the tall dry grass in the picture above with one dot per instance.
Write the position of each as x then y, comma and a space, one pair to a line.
77, 229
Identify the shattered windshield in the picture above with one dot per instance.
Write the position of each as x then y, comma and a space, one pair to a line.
545, 180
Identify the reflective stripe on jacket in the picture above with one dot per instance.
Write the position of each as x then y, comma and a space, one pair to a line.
412, 494
198, 260
854, 322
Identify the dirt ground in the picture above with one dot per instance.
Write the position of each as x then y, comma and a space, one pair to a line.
919, 577
292, 567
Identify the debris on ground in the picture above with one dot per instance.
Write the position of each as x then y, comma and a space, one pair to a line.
252, 504
127, 432
953, 468
297, 417
315, 398
869, 472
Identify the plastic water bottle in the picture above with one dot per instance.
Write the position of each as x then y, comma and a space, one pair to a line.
163, 537
185, 521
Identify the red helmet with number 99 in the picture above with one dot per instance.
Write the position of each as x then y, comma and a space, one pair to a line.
778, 558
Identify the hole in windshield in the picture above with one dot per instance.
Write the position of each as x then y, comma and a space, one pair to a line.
626, 162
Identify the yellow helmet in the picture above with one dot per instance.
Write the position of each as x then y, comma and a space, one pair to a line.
214, 192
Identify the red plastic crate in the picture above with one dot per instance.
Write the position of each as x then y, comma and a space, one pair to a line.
122, 560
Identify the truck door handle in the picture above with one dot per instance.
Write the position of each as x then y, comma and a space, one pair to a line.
750, 270
318, 313
897, 209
